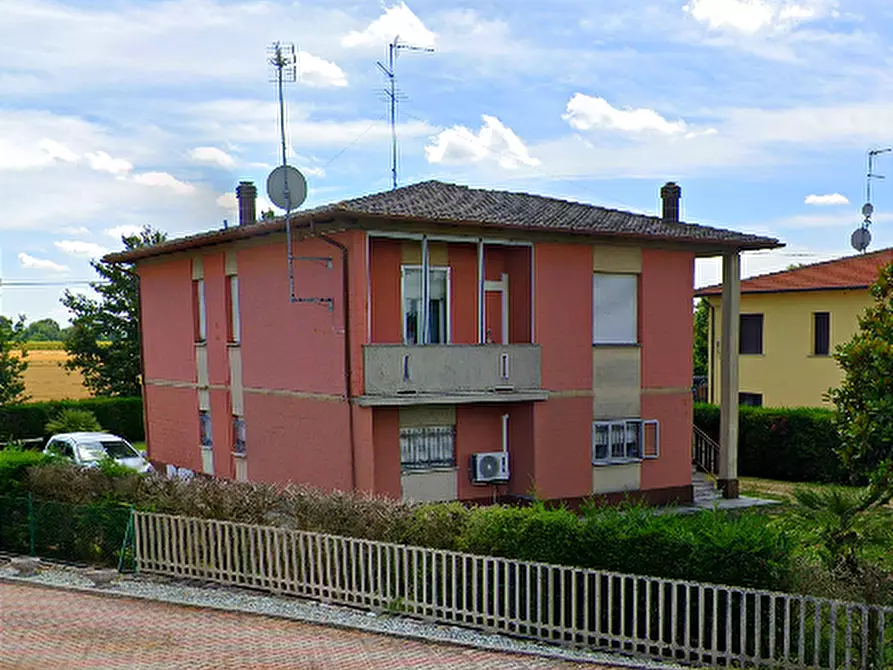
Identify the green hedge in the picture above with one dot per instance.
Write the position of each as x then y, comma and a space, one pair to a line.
735, 549
797, 445
121, 416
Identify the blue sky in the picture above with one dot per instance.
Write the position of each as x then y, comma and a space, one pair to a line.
118, 114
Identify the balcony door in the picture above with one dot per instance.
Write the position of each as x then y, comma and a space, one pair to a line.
496, 310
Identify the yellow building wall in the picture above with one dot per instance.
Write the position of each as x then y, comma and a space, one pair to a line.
787, 373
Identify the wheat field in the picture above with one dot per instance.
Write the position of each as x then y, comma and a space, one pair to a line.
46, 379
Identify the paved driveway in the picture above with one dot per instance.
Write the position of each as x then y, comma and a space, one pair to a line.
48, 628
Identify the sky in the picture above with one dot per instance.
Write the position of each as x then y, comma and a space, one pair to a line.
119, 114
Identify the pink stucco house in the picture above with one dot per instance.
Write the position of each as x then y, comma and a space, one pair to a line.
435, 342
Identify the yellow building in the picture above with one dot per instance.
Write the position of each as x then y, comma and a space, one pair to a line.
790, 324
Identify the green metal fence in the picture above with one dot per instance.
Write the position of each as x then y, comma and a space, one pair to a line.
99, 533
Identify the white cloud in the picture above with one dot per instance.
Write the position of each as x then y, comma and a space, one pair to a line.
585, 112
163, 180
212, 155
458, 145
126, 230
81, 248
58, 151
102, 162
397, 20
828, 199
32, 263
753, 16
318, 72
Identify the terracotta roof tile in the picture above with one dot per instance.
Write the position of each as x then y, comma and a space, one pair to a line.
439, 202
848, 272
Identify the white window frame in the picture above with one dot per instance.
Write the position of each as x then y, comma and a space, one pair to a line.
408, 466
601, 338
448, 335
202, 311
622, 427
236, 315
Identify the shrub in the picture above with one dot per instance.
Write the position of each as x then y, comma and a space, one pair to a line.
14, 466
798, 445
71, 420
121, 416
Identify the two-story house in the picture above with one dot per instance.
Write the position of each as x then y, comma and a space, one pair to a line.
790, 324
434, 342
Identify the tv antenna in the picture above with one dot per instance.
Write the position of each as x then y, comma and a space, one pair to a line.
861, 237
286, 186
392, 94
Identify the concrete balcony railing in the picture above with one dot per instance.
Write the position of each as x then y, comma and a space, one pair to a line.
478, 372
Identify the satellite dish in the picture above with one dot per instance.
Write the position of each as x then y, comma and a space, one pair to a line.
867, 210
860, 239
286, 175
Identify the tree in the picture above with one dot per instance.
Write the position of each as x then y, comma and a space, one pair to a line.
45, 330
701, 334
864, 399
12, 365
104, 340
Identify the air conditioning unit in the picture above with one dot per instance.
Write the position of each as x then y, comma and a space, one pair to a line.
490, 468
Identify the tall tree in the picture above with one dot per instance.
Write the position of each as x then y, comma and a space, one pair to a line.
13, 361
44, 330
104, 340
701, 334
864, 399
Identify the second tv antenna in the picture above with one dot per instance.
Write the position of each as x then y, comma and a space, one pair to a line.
861, 237
393, 94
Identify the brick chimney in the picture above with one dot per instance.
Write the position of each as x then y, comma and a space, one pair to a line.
670, 194
246, 193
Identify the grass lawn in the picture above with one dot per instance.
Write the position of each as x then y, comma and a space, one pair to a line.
140, 447
783, 492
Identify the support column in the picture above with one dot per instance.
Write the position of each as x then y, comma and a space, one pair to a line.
424, 335
728, 392
482, 334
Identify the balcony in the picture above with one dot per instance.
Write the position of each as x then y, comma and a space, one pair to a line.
451, 374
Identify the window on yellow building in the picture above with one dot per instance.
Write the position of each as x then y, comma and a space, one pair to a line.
751, 334
821, 333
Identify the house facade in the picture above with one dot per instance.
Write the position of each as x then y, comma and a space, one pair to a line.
435, 342
790, 324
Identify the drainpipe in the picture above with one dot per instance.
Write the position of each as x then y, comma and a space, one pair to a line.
345, 280
139, 306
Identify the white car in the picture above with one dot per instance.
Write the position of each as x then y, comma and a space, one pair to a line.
88, 449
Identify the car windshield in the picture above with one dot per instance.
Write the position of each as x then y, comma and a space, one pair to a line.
96, 451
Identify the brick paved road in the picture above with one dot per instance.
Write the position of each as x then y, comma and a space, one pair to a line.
46, 628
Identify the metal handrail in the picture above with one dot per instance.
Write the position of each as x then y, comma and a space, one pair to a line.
705, 451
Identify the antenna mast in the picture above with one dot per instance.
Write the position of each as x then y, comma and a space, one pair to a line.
861, 237
286, 186
392, 94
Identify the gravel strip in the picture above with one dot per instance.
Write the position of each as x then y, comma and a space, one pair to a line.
160, 589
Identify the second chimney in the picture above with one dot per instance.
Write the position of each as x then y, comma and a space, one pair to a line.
246, 193
670, 194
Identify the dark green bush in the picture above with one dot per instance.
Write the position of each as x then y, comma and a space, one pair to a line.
121, 416
743, 550
797, 445
14, 465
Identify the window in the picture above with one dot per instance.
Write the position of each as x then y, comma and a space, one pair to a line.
200, 318
821, 333
239, 435
204, 419
428, 447
750, 399
438, 305
615, 309
624, 440
234, 318
751, 335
